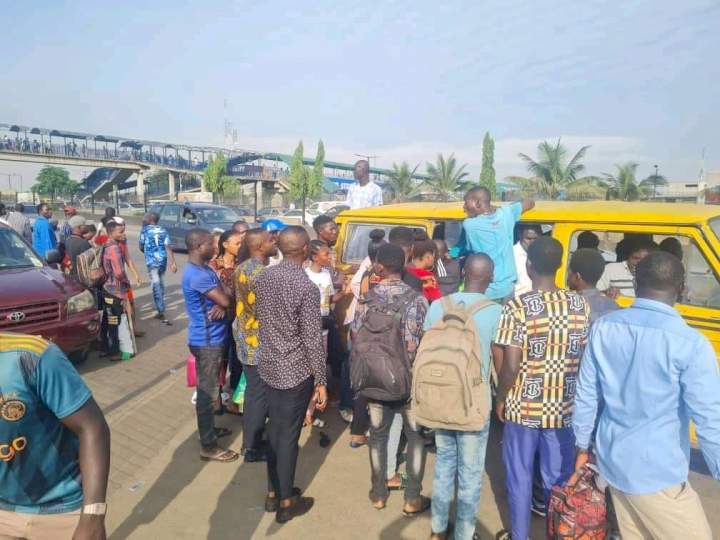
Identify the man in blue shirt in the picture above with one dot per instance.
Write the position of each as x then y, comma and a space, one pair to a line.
489, 229
44, 238
54, 445
155, 244
653, 374
461, 454
206, 305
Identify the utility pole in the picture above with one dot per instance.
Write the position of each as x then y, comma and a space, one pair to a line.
655, 179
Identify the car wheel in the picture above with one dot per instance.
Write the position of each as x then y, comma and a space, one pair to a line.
78, 357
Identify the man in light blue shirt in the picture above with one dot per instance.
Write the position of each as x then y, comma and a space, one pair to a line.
462, 453
489, 229
44, 238
653, 374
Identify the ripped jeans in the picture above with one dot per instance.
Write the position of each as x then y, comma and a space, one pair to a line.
157, 278
381, 418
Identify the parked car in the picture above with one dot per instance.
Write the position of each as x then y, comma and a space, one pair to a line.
267, 213
178, 219
293, 217
40, 300
242, 211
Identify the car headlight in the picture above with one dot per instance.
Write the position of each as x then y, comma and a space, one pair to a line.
80, 302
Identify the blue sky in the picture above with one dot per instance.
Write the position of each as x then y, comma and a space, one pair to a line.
402, 80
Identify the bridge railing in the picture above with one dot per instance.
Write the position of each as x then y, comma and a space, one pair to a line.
83, 150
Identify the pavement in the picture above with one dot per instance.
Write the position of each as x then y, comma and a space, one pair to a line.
160, 489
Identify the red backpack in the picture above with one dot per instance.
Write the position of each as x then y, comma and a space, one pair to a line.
578, 511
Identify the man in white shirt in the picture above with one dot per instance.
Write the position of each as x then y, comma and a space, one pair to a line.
619, 277
528, 234
365, 193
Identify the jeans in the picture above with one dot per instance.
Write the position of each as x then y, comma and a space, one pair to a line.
361, 420
557, 462
461, 455
157, 278
286, 411
346, 393
256, 408
207, 366
382, 414
394, 437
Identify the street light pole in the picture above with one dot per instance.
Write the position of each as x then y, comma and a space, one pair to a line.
655, 179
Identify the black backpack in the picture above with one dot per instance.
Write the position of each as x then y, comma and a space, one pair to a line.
379, 364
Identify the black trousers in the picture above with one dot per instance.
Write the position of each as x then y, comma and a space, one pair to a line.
286, 410
361, 419
234, 364
207, 367
112, 311
256, 408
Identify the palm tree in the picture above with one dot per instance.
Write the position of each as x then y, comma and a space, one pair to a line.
401, 183
651, 183
446, 179
623, 185
552, 174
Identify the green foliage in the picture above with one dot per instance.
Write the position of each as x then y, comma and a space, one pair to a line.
217, 181
487, 172
651, 183
401, 183
55, 182
553, 174
446, 178
622, 185
305, 181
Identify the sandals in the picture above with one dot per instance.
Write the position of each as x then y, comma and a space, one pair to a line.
401, 486
424, 507
223, 456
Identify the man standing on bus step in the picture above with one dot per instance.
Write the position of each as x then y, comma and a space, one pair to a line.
489, 229
365, 193
653, 374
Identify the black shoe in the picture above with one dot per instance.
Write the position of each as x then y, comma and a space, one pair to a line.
271, 503
538, 509
254, 456
300, 506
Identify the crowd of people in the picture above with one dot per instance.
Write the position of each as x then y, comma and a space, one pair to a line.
571, 376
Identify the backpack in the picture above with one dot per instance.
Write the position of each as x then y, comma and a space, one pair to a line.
90, 269
449, 390
379, 363
578, 511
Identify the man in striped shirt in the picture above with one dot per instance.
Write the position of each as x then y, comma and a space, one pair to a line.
619, 278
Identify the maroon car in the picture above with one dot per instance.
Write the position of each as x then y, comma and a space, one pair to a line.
40, 300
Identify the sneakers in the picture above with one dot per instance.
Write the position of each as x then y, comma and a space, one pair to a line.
161, 317
538, 509
299, 507
346, 415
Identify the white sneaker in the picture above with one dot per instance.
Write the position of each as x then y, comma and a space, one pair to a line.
346, 415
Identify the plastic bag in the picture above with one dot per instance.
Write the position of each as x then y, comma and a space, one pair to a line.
124, 337
239, 394
190, 372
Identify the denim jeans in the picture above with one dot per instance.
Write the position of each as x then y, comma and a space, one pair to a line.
461, 455
394, 437
381, 418
157, 278
207, 366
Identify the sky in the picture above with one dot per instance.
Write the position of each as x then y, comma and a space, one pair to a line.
403, 80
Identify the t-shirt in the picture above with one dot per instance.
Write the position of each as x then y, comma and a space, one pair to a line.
523, 283
39, 468
618, 275
493, 235
74, 246
323, 281
551, 329
197, 282
153, 242
486, 321
365, 196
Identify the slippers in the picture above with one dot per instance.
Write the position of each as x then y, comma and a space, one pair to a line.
403, 483
226, 456
424, 507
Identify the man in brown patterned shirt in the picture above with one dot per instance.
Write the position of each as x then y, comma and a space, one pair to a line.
291, 363
544, 333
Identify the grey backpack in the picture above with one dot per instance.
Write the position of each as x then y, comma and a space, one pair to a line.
379, 363
449, 390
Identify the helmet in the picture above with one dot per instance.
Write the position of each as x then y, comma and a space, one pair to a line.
273, 225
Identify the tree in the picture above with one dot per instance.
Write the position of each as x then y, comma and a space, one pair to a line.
446, 179
401, 183
623, 185
318, 173
217, 181
552, 174
487, 172
55, 182
651, 183
306, 182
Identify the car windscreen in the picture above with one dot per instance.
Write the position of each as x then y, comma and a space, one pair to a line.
216, 215
14, 253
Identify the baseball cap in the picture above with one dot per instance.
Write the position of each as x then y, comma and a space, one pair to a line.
273, 225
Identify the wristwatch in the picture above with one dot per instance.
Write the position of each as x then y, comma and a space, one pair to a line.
95, 509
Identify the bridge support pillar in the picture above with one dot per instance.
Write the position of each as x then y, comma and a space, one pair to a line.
202, 182
172, 192
140, 189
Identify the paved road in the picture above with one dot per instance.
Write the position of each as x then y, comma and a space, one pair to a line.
160, 489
